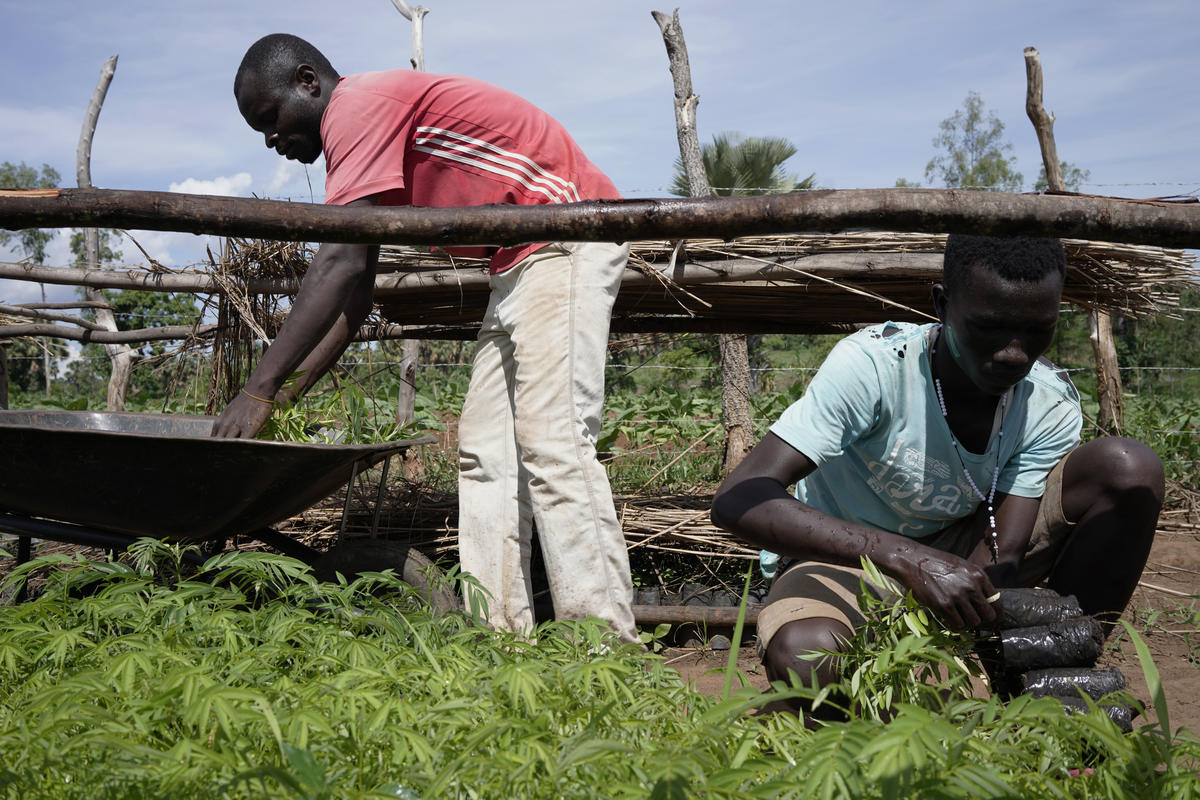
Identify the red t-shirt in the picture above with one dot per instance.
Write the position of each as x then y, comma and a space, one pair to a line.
420, 139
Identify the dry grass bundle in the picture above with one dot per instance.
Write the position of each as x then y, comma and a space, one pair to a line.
244, 318
783, 283
428, 520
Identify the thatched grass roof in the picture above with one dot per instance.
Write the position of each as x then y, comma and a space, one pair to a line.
797, 283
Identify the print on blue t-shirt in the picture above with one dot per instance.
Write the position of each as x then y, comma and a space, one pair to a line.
871, 422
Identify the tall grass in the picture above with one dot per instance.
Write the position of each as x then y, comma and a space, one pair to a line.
140, 681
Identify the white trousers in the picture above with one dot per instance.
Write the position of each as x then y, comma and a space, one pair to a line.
527, 442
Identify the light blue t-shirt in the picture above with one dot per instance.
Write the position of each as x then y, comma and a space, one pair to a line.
871, 422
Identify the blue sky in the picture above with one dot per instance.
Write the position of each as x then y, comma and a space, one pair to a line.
859, 87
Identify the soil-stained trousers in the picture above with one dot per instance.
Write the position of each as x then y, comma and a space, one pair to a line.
527, 442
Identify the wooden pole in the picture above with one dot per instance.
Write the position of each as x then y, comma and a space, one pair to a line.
1043, 122
1108, 371
415, 15
106, 337
735, 356
121, 356
37, 313
1104, 219
923, 266
3, 374
45, 354
148, 281
1104, 350
410, 349
714, 616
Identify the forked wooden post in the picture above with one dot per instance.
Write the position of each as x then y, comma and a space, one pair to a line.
1108, 375
122, 356
410, 349
735, 356
3, 374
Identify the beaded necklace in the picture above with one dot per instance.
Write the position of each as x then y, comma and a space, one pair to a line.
990, 497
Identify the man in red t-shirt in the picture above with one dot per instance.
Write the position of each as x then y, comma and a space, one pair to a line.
529, 426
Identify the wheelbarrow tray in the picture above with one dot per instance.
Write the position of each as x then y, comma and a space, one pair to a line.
163, 475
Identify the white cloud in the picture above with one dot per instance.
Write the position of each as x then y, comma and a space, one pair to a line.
286, 172
229, 186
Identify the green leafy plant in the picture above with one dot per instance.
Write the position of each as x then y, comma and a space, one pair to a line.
133, 680
901, 656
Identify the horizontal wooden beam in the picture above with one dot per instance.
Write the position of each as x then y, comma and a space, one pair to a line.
918, 210
732, 270
191, 281
714, 616
163, 333
76, 304
38, 313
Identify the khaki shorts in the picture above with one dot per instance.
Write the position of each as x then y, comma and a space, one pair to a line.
808, 589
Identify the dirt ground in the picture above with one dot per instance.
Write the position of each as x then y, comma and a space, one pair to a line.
1164, 610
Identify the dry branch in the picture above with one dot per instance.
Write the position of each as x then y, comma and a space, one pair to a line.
144, 280
34, 313
121, 356
1104, 350
1043, 122
713, 616
100, 336
411, 348
1154, 222
735, 355
76, 304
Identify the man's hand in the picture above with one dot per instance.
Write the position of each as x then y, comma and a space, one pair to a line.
951, 587
243, 418
754, 503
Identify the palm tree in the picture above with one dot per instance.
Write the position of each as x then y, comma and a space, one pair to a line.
738, 166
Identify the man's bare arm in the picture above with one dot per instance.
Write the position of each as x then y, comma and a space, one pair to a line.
1015, 518
753, 502
327, 352
330, 297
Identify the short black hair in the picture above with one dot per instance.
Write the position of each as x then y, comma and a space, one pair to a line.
277, 55
1016, 258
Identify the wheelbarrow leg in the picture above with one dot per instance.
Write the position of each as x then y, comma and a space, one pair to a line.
354, 473
387, 463
24, 553
286, 545
346, 503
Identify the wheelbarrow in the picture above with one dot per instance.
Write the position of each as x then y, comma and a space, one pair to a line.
104, 479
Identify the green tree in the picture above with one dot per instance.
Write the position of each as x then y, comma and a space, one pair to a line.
133, 309
27, 360
972, 152
1073, 177
31, 361
31, 241
108, 252
738, 166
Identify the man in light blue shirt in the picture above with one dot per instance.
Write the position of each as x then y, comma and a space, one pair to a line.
949, 455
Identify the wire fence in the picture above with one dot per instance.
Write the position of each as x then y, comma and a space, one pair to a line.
685, 425
630, 367
1024, 187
